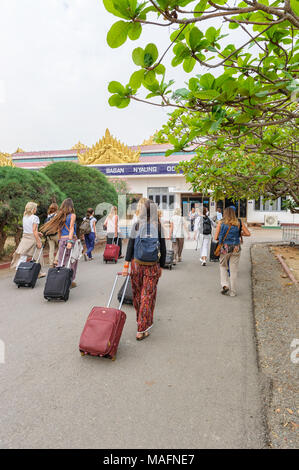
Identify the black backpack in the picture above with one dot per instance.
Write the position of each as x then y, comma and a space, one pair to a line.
207, 226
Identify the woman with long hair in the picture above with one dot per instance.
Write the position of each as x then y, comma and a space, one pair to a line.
229, 233
146, 252
53, 237
64, 223
203, 227
111, 224
31, 238
138, 210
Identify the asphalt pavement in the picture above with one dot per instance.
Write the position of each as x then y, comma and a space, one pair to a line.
192, 384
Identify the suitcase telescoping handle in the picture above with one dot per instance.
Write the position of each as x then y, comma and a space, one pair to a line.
40, 253
69, 261
116, 240
124, 291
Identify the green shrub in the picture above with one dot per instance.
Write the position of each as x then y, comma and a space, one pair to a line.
86, 186
17, 187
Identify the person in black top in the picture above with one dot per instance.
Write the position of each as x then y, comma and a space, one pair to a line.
146, 251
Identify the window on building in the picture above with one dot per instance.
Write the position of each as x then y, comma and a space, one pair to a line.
270, 206
162, 197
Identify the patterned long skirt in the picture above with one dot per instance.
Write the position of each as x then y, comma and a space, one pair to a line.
144, 286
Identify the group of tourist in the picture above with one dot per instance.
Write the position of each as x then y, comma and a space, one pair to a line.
146, 249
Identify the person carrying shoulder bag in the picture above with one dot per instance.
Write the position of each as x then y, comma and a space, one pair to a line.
229, 248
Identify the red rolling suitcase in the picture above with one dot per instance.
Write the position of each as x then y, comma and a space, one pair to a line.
103, 328
111, 252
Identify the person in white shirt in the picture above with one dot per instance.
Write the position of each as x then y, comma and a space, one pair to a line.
111, 224
31, 238
204, 227
219, 214
177, 227
91, 236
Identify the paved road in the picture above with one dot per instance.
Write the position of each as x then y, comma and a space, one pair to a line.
192, 384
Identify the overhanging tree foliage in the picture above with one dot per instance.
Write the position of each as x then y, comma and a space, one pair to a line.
17, 187
245, 105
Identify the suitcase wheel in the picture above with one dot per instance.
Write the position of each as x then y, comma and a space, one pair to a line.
82, 353
170, 267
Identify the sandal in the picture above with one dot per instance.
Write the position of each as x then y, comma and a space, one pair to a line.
144, 335
224, 290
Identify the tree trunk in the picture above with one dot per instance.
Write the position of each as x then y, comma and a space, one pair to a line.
18, 236
3, 237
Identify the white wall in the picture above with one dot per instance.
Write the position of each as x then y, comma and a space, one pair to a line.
258, 216
140, 184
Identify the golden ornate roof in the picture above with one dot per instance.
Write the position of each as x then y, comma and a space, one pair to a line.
108, 150
19, 150
79, 146
151, 140
5, 159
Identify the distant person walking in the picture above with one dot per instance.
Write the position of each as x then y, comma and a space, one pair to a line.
228, 235
111, 224
204, 225
146, 252
65, 224
31, 238
52, 238
177, 236
192, 216
218, 214
88, 228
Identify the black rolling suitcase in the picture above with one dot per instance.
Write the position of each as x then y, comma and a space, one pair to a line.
128, 298
213, 257
59, 281
27, 273
169, 259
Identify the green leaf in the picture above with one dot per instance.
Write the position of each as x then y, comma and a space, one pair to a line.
189, 64
123, 7
193, 84
138, 56
149, 77
134, 31
207, 80
233, 25
195, 38
244, 117
150, 54
115, 100
200, 7
182, 93
117, 34
116, 87
136, 79
160, 69
124, 103
108, 4
211, 34
295, 6
206, 94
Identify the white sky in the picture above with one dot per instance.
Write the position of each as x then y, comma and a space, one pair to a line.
55, 68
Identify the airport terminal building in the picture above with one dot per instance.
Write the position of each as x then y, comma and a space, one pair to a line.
149, 173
